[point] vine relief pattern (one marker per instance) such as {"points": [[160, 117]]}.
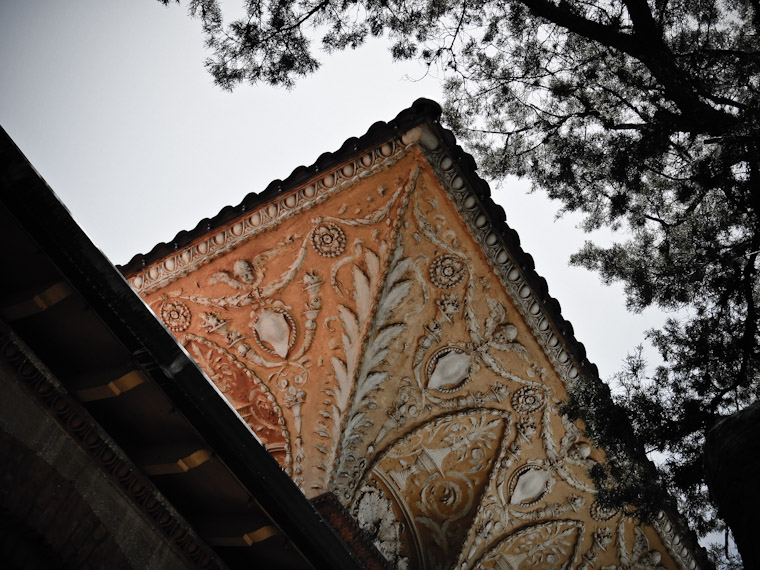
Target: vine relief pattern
{"points": [[379, 341]]}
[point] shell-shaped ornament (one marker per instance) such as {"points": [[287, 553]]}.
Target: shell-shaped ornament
{"points": [[529, 485], [275, 331], [448, 369]]}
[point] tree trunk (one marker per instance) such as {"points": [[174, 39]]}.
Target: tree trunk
{"points": [[732, 466]]}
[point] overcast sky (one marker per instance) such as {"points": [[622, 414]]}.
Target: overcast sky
{"points": [[110, 102]]}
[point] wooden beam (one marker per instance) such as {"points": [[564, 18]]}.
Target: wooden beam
{"points": [[112, 389], [247, 539], [180, 466], [38, 303]]}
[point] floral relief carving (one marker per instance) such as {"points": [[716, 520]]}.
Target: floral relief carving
{"points": [[328, 239], [514, 280], [528, 493], [370, 374], [550, 546], [447, 271], [186, 260], [246, 392], [175, 315], [501, 259], [376, 516], [435, 475], [528, 399], [364, 314], [600, 540]]}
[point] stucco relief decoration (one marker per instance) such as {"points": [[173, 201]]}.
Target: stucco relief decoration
{"points": [[447, 271], [433, 477], [389, 350], [529, 485], [640, 556], [246, 392], [187, 260], [448, 369], [376, 516], [545, 546], [328, 239], [527, 400], [175, 315], [265, 306], [463, 348], [275, 331]]}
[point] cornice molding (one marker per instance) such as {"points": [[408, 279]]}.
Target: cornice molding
{"points": [[220, 240]]}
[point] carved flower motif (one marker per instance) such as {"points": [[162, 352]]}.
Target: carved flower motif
{"points": [[176, 315], [447, 270], [375, 515], [600, 513], [527, 400], [328, 240]]}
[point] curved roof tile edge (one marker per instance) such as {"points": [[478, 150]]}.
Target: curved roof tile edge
{"points": [[420, 111]]}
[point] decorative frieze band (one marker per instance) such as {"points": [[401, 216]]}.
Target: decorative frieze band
{"points": [[231, 235]]}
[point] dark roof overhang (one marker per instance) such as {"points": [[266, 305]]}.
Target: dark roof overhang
{"points": [[65, 300]]}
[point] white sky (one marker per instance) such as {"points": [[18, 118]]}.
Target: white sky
{"points": [[110, 102]]}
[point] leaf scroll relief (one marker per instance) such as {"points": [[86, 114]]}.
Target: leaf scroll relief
{"points": [[442, 365], [528, 490], [640, 556], [363, 311], [246, 392], [367, 370], [431, 480], [272, 313], [550, 545], [465, 351]]}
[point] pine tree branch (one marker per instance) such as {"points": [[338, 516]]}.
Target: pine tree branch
{"points": [[679, 88], [560, 15], [646, 45]]}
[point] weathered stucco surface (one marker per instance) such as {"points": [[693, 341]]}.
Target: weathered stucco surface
{"points": [[375, 337]]}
